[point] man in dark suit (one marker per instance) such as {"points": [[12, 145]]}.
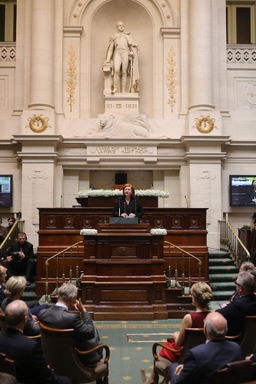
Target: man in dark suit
{"points": [[59, 316], [30, 363], [243, 305], [202, 361], [20, 259]]}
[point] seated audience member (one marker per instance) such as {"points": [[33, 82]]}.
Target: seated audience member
{"points": [[31, 367], [202, 362], [201, 296], [243, 305], [3, 231], [245, 266], [5, 378], [2, 283], [14, 289], [20, 259], [59, 316]]}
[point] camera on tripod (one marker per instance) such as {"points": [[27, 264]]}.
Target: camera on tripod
{"points": [[16, 256]]}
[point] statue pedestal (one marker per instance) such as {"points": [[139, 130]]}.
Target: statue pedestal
{"points": [[122, 103]]}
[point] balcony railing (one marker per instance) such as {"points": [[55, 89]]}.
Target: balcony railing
{"points": [[241, 54], [7, 52]]}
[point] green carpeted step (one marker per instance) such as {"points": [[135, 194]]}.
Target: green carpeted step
{"points": [[219, 262], [226, 285], [222, 274], [223, 269], [218, 254], [222, 295], [218, 277]]}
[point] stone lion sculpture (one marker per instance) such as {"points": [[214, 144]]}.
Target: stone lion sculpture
{"points": [[126, 126]]}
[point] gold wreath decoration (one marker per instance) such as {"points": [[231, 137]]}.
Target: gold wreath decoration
{"points": [[205, 124], [38, 123]]}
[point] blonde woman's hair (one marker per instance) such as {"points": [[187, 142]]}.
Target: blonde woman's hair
{"points": [[202, 292], [14, 285]]}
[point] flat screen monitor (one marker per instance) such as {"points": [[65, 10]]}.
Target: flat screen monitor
{"points": [[6, 191], [242, 190]]}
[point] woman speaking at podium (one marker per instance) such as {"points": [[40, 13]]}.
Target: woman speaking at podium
{"points": [[128, 205]]}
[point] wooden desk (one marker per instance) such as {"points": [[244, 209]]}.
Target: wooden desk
{"points": [[60, 228], [123, 275]]}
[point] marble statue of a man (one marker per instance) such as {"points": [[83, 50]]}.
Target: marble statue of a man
{"points": [[122, 56]]}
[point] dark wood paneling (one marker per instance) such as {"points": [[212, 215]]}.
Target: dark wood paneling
{"points": [[116, 263]]}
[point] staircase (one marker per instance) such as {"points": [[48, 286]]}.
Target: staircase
{"points": [[222, 274]]}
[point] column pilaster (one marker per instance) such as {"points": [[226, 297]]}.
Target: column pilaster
{"points": [[200, 62], [42, 54]]}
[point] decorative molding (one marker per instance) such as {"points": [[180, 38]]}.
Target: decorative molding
{"points": [[4, 92], [204, 124], [71, 71], [128, 150], [241, 55], [246, 93], [123, 251], [38, 123], [87, 223], [171, 78], [69, 222], [79, 8], [7, 52]]}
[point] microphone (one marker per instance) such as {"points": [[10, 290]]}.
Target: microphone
{"points": [[185, 197], [61, 201], [135, 206], [119, 212]]}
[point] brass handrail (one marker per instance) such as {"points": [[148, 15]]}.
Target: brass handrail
{"points": [[56, 256], [231, 243], [183, 273], [15, 224]]}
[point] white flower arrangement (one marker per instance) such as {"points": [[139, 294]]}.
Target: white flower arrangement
{"points": [[152, 192], [88, 232], [158, 231], [117, 192]]}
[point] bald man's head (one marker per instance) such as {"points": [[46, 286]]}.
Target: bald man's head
{"points": [[215, 326], [16, 313]]}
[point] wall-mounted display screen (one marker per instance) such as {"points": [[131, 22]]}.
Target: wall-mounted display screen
{"points": [[242, 190], [6, 191]]}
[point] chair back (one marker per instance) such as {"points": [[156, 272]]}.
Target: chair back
{"points": [[61, 355], [235, 373], [193, 337], [7, 365], [248, 337]]}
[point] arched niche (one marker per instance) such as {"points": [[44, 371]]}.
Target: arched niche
{"points": [[144, 21]]}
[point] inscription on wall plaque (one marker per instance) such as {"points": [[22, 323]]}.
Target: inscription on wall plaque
{"points": [[127, 150]]}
